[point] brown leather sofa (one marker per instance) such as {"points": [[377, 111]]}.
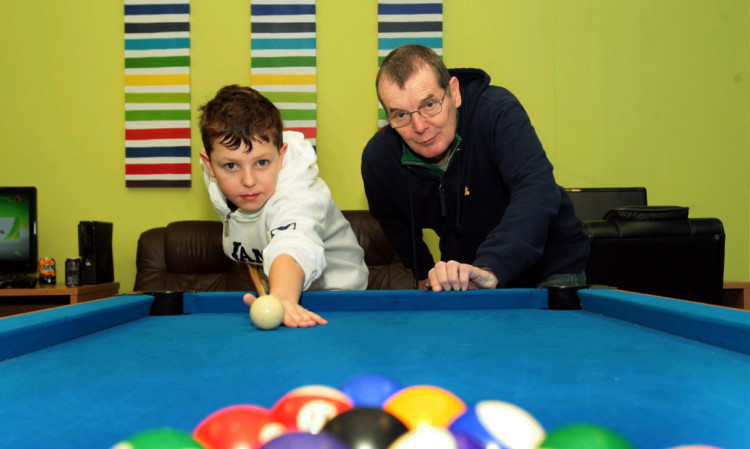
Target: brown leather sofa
{"points": [[648, 249], [187, 256]]}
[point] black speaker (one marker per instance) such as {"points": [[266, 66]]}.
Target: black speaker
{"points": [[95, 248]]}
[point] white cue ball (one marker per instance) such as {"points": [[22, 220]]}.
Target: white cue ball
{"points": [[267, 312]]}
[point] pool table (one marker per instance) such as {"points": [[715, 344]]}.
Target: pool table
{"points": [[660, 372]]}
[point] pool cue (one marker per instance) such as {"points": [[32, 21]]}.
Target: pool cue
{"points": [[257, 281]]}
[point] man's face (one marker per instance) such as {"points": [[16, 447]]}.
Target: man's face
{"points": [[247, 179], [428, 137]]}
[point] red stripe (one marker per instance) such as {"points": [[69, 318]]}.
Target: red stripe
{"points": [[309, 133], [161, 133], [157, 169]]}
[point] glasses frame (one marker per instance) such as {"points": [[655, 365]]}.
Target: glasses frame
{"points": [[419, 110]]}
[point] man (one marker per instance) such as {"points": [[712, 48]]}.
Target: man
{"points": [[461, 157]]}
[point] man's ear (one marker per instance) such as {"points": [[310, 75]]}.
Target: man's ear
{"points": [[207, 160], [455, 91]]}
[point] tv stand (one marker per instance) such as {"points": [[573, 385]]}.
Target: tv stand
{"points": [[20, 300], [18, 280]]}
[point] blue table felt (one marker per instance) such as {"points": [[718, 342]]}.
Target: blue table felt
{"points": [[660, 372]]}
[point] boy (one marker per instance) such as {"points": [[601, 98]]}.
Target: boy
{"points": [[277, 213]]}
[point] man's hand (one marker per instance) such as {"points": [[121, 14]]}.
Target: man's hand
{"points": [[294, 314], [453, 275]]}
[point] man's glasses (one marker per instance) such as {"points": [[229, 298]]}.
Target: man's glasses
{"points": [[430, 109]]}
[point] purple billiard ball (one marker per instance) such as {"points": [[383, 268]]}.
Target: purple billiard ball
{"points": [[297, 440]]}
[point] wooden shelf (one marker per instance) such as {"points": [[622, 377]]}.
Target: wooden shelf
{"points": [[737, 294], [21, 300]]}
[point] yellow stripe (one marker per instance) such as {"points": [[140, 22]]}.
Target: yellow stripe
{"points": [[270, 80], [157, 80]]}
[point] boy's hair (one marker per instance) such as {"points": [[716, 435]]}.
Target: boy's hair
{"points": [[403, 62], [237, 115]]}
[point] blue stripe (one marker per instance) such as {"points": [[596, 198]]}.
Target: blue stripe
{"points": [[281, 10], [429, 8], [156, 44], [393, 43], [283, 44], [134, 10], [157, 152]]}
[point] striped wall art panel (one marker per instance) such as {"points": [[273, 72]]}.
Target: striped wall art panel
{"points": [[157, 93], [403, 22], [283, 60]]}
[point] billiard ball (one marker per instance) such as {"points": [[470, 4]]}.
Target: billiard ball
{"points": [[499, 423], [584, 436], [309, 408], [163, 438], [304, 440], [466, 442], [366, 428], [370, 390], [237, 426], [267, 312], [695, 446], [425, 436], [424, 404]]}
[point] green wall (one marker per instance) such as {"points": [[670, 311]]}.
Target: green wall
{"points": [[622, 93]]}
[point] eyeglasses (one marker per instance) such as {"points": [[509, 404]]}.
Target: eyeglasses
{"points": [[430, 109]]}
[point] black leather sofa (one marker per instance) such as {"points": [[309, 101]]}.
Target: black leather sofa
{"points": [[658, 250]]}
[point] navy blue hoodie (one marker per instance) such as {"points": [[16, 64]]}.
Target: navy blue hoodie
{"points": [[497, 205]]}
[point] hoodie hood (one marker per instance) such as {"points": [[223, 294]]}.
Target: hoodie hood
{"points": [[299, 171]]}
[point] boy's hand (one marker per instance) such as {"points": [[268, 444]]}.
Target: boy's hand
{"points": [[294, 314]]}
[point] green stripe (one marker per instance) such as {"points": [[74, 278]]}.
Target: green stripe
{"points": [[179, 97], [157, 115], [165, 61], [298, 114], [291, 97], [287, 61]]}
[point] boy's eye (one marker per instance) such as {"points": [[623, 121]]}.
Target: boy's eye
{"points": [[263, 162], [230, 165]]}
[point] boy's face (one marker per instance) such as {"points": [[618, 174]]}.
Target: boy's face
{"points": [[247, 179]]}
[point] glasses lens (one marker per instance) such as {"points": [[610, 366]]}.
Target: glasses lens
{"points": [[431, 108], [400, 120]]}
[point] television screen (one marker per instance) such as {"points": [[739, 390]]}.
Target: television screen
{"points": [[18, 237], [593, 203]]}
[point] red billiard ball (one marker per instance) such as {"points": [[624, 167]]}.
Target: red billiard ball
{"points": [[309, 408], [237, 427]]}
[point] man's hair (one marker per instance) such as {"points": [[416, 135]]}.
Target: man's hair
{"points": [[238, 115], [403, 62]]}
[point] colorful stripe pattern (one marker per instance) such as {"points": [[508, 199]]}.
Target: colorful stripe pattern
{"points": [[408, 22], [157, 93], [283, 60]]}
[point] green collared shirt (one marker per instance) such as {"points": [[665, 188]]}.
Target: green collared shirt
{"points": [[409, 157]]}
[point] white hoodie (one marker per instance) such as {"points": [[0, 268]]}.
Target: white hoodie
{"points": [[300, 219]]}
